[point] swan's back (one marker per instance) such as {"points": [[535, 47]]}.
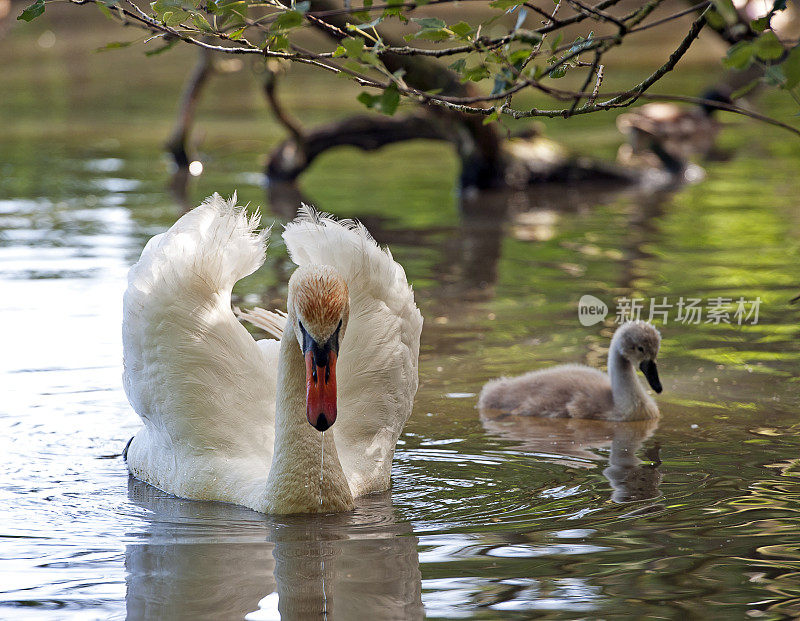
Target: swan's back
{"points": [[377, 366], [568, 391], [203, 388]]}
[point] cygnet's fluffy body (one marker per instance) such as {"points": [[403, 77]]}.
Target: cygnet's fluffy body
{"points": [[578, 391]]}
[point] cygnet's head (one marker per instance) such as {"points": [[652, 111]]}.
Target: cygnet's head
{"points": [[319, 304], [639, 342]]}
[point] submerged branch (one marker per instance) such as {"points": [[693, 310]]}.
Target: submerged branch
{"points": [[367, 133]]}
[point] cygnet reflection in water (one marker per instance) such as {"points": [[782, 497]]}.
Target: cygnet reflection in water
{"points": [[573, 442], [204, 560]]}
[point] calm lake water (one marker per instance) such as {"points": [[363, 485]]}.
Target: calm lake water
{"points": [[693, 516]]}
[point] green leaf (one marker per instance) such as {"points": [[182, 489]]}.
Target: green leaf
{"points": [[370, 58], [773, 75], [114, 45], [367, 99], [237, 34], [395, 12], [201, 23], [390, 100], [791, 67], [386, 102], [162, 6], [745, 89], [287, 20], [580, 43], [760, 24], [431, 28], [558, 72], [475, 74], [431, 23], [239, 7], [715, 20], [740, 56], [491, 118], [278, 42], [459, 65], [353, 47], [768, 46], [105, 10], [32, 12], [555, 41], [726, 10], [171, 18], [518, 56], [462, 29], [174, 18], [504, 4], [441, 34]]}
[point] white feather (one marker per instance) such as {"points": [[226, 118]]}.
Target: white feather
{"points": [[203, 388], [206, 391], [272, 322]]}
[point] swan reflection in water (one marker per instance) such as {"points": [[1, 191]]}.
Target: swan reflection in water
{"points": [[573, 442], [204, 560]]}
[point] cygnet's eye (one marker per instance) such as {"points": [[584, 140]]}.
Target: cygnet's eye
{"points": [[640, 348]]}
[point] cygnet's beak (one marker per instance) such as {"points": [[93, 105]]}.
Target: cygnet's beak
{"points": [[648, 367], [320, 381]]}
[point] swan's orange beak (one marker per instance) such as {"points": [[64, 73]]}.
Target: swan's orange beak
{"points": [[320, 388], [321, 379]]}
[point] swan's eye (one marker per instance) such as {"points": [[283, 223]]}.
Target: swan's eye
{"points": [[641, 349]]}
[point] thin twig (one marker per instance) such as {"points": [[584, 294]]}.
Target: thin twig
{"points": [[596, 89], [589, 75]]}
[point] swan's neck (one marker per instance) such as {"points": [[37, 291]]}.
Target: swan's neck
{"points": [[631, 402], [305, 477]]}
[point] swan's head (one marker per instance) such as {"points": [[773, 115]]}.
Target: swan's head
{"points": [[319, 303], [639, 342]]}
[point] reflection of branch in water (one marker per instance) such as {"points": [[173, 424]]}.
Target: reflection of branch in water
{"points": [[469, 254], [176, 144], [573, 442], [204, 560], [646, 209], [178, 187]]}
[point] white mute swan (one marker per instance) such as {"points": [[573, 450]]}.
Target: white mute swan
{"points": [[578, 391], [227, 418]]}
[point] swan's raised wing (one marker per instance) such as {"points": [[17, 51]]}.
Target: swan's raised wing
{"points": [[202, 386], [377, 364]]}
